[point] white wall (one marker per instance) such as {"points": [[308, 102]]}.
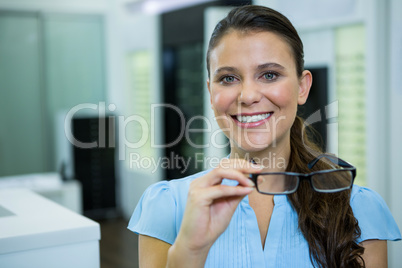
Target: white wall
{"points": [[128, 33], [395, 110], [215, 137]]}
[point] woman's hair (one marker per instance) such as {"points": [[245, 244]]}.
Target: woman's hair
{"points": [[325, 220], [259, 19]]}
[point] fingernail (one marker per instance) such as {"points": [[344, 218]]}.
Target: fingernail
{"points": [[250, 183]]}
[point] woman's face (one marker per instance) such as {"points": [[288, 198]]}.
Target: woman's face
{"points": [[255, 90]]}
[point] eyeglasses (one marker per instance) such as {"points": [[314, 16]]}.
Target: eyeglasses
{"points": [[322, 181]]}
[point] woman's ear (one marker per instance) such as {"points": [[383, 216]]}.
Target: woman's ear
{"points": [[304, 87]]}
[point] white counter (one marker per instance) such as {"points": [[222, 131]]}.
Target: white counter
{"points": [[50, 185], [36, 232]]}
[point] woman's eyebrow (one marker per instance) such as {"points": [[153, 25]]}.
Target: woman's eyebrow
{"points": [[270, 65], [259, 67], [225, 68]]}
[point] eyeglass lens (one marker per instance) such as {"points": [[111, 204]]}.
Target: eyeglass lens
{"points": [[282, 183], [335, 180], [276, 183]]}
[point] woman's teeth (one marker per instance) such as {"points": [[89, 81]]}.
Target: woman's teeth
{"points": [[252, 119]]}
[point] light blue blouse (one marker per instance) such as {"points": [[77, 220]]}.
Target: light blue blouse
{"points": [[160, 211]]}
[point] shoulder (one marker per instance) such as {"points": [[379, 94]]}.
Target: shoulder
{"points": [[374, 217], [364, 199], [164, 202], [361, 195]]}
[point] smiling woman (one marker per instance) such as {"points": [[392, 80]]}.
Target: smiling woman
{"points": [[260, 82], [219, 217]]}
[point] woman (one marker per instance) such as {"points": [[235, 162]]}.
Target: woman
{"points": [[219, 217]]}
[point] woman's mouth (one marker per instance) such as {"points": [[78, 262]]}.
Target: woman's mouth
{"points": [[251, 120]]}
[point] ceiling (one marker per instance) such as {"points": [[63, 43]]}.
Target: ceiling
{"points": [[160, 6]]}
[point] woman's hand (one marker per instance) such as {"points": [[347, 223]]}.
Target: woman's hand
{"points": [[209, 209]]}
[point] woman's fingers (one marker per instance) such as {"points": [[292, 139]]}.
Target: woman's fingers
{"points": [[231, 174], [232, 169], [207, 188], [239, 164]]}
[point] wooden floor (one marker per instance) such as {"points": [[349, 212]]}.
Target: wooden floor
{"points": [[118, 245]]}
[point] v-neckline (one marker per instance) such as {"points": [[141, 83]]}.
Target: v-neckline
{"points": [[263, 214], [275, 225]]}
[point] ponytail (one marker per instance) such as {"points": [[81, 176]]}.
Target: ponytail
{"points": [[326, 220]]}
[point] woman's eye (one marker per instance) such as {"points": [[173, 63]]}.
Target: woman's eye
{"points": [[269, 76], [228, 79]]}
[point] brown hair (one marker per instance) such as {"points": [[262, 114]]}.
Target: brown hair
{"points": [[325, 220], [257, 19]]}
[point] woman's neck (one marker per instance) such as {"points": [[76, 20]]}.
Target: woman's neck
{"points": [[272, 159]]}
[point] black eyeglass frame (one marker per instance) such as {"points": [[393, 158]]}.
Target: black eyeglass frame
{"points": [[335, 160]]}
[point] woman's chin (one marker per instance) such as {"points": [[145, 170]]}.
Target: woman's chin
{"points": [[253, 147]]}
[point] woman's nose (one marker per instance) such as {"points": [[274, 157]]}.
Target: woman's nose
{"points": [[250, 93]]}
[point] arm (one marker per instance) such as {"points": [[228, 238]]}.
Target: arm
{"points": [[375, 253], [209, 209], [152, 252]]}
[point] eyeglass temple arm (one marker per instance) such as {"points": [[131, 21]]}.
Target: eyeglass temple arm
{"points": [[335, 160]]}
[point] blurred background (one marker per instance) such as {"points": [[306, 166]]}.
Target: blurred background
{"points": [[96, 72]]}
